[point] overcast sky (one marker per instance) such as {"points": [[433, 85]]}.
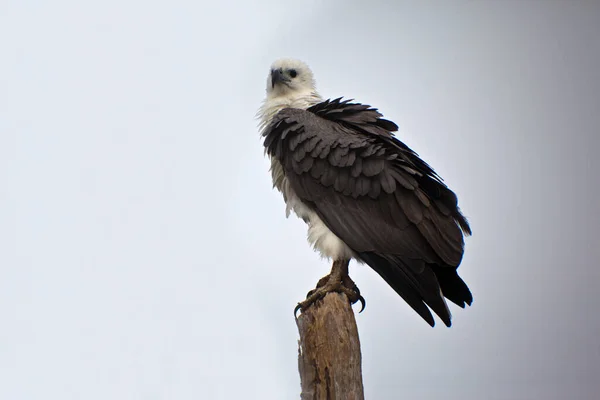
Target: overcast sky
{"points": [[145, 256]]}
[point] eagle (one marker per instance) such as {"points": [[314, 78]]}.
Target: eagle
{"points": [[364, 195]]}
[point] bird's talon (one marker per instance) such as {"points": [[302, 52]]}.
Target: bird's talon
{"points": [[333, 283], [363, 303]]}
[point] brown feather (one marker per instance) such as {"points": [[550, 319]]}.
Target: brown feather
{"points": [[378, 196]]}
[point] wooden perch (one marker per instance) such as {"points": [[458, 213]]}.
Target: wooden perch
{"points": [[329, 356]]}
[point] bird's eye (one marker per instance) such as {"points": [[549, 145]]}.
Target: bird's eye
{"points": [[293, 73]]}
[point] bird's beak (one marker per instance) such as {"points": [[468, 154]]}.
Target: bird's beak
{"points": [[277, 77]]}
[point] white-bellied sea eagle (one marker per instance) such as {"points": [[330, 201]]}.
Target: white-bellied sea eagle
{"points": [[363, 193]]}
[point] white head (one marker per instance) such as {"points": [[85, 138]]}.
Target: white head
{"points": [[290, 78], [290, 84]]}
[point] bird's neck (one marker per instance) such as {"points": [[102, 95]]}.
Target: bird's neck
{"points": [[272, 105]]}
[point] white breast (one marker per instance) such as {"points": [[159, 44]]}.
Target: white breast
{"points": [[319, 235]]}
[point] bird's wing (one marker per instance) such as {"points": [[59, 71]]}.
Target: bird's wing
{"points": [[378, 196]]}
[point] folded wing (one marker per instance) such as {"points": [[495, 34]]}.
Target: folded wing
{"points": [[378, 196]]}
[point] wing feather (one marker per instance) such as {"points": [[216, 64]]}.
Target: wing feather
{"points": [[378, 196]]}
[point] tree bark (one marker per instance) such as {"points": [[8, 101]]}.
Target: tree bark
{"points": [[329, 357]]}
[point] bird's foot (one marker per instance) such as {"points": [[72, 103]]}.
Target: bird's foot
{"points": [[329, 284]]}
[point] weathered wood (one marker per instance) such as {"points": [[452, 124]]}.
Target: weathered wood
{"points": [[329, 357]]}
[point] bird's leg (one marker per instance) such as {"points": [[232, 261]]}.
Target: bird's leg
{"points": [[337, 281], [321, 283], [334, 276], [349, 284]]}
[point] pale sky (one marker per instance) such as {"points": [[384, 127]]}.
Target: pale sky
{"points": [[145, 255]]}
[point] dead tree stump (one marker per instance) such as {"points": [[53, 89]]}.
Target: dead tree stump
{"points": [[329, 356]]}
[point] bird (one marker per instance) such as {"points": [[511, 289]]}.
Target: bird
{"points": [[363, 194]]}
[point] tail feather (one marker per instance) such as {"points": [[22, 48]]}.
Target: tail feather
{"points": [[453, 287], [397, 279], [422, 286]]}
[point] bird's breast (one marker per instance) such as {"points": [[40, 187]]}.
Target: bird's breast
{"points": [[322, 239]]}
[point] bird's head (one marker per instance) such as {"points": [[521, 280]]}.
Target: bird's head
{"points": [[289, 78]]}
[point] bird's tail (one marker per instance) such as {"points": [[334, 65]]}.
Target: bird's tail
{"points": [[421, 285]]}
